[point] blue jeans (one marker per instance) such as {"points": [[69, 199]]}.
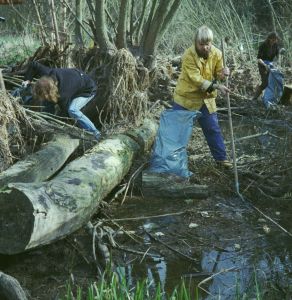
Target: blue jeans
{"points": [[74, 111], [210, 126]]}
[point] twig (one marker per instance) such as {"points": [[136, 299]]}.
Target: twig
{"points": [[250, 137], [146, 252], [150, 217], [72, 12], [172, 249], [120, 191], [133, 176], [211, 277], [122, 229], [138, 252]]}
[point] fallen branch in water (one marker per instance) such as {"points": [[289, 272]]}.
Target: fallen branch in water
{"points": [[151, 217], [172, 249]]}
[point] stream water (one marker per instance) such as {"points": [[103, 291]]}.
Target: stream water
{"points": [[239, 253], [219, 245]]}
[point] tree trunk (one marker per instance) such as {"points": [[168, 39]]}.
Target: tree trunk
{"points": [[101, 29], [78, 21], [2, 84], [286, 98], [141, 22], [39, 213], [55, 23], [122, 26], [164, 185], [42, 29], [162, 17], [10, 288], [41, 165]]}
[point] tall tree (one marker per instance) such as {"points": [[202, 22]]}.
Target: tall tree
{"points": [[156, 27], [78, 22], [101, 35], [122, 25]]}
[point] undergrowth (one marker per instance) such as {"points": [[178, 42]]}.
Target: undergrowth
{"points": [[14, 49]]}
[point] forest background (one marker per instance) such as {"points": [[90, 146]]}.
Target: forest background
{"points": [[145, 27]]}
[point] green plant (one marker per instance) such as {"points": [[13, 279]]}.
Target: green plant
{"points": [[14, 49]]}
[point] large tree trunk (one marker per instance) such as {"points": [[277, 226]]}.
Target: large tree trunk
{"points": [[101, 29], [10, 288], [164, 185], [156, 28], [122, 26], [39, 213], [78, 21], [42, 164]]}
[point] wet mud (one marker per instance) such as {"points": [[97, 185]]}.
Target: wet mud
{"points": [[220, 245]]}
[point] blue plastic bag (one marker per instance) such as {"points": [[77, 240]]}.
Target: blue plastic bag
{"points": [[169, 153], [273, 92]]}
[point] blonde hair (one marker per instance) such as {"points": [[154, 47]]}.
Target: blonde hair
{"points": [[203, 34], [46, 88]]}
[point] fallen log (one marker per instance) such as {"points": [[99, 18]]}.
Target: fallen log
{"points": [[164, 185], [35, 214], [286, 98], [10, 288], [42, 164]]}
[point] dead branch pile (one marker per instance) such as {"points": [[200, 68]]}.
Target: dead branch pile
{"points": [[51, 55], [162, 81], [127, 98], [12, 116]]}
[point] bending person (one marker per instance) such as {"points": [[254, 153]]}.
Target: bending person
{"points": [[268, 51], [70, 88], [194, 98]]}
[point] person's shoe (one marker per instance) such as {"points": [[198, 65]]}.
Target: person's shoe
{"points": [[224, 164], [97, 135]]}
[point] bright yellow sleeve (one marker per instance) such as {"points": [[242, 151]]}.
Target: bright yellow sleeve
{"points": [[193, 72], [218, 66]]}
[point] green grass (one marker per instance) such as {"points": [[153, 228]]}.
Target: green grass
{"points": [[14, 49], [115, 289], [110, 287]]}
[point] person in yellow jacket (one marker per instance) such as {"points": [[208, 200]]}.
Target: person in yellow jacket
{"points": [[194, 98]]}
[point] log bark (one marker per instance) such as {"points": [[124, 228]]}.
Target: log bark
{"points": [[10, 288], [164, 185], [34, 214], [286, 98], [2, 85], [42, 164]]}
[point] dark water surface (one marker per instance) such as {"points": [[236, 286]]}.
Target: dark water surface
{"points": [[238, 252]]}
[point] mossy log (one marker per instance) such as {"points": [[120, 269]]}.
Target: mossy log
{"points": [[286, 98], [42, 164], [10, 288], [34, 214], [165, 185]]}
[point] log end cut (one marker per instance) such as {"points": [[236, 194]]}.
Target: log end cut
{"points": [[165, 185], [16, 221]]}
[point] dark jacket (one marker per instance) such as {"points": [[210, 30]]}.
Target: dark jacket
{"points": [[268, 52], [72, 83]]}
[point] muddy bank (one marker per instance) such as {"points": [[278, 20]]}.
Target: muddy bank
{"points": [[221, 239]]}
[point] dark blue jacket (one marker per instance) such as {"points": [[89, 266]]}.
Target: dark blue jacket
{"points": [[72, 83]]}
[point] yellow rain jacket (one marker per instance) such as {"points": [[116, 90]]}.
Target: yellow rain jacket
{"points": [[195, 78]]}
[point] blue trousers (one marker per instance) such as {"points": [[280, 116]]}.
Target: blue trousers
{"points": [[212, 132], [76, 113]]}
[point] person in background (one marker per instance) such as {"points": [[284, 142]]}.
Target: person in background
{"points": [[70, 88], [194, 98], [267, 52]]}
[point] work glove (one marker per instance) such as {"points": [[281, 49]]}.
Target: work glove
{"points": [[25, 83]]}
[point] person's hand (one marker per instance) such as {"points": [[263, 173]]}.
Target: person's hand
{"points": [[222, 88], [25, 83], [225, 72], [261, 62]]}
